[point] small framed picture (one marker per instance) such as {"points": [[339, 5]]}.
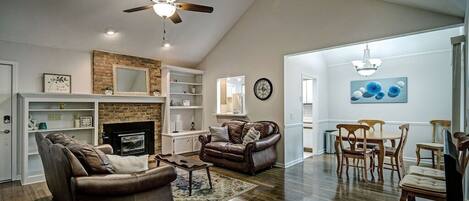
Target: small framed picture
{"points": [[86, 121], [57, 83]]}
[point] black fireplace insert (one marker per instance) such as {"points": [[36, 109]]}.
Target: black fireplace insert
{"points": [[133, 138]]}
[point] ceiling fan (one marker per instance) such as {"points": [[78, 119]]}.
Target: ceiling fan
{"points": [[167, 9]]}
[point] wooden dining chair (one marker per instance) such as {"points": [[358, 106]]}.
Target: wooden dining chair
{"points": [[463, 147], [372, 123], [436, 146], [349, 149], [396, 154], [428, 183]]}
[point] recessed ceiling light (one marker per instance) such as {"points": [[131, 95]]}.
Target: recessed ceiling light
{"points": [[110, 32]]}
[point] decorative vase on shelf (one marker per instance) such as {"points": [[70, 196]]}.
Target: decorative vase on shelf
{"points": [[76, 123], [42, 126], [108, 91], [32, 123], [156, 93]]}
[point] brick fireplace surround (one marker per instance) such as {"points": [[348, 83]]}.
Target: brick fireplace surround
{"points": [[126, 112]]}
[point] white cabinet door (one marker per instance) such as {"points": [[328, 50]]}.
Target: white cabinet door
{"points": [[183, 145], [195, 143]]}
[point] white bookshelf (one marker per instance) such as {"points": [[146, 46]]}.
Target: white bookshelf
{"points": [[179, 84], [48, 109]]}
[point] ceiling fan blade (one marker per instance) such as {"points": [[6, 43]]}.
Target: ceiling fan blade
{"points": [[176, 18], [138, 9], [194, 7]]}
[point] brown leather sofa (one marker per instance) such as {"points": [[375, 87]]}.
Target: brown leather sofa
{"points": [[233, 154], [60, 167]]}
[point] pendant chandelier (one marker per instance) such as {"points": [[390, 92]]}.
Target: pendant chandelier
{"points": [[367, 66]]}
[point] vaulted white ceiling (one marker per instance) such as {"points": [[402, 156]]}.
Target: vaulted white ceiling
{"points": [[449, 7], [80, 25]]}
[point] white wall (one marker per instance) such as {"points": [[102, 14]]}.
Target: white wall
{"points": [[35, 60], [312, 66], [255, 46], [429, 95]]}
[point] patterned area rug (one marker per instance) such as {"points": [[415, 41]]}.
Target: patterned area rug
{"points": [[224, 187]]}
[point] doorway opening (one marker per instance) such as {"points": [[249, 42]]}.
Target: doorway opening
{"points": [[309, 100], [409, 66]]}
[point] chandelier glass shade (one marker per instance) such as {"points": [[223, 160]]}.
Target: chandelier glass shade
{"points": [[367, 66]]}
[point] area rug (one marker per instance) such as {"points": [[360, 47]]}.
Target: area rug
{"points": [[224, 187]]}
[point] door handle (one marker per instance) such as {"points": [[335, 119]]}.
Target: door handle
{"points": [[6, 131]]}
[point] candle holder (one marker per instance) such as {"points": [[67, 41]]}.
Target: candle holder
{"points": [[192, 126]]}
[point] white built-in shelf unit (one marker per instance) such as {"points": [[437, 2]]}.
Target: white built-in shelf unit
{"points": [[182, 85], [59, 112]]}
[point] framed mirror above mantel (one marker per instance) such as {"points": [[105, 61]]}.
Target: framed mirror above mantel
{"points": [[133, 81]]}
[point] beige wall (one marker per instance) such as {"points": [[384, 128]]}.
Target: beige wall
{"points": [[271, 29]]}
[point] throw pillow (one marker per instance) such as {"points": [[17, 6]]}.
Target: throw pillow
{"points": [[77, 169], [219, 134], [60, 138], [94, 160], [251, 136], [128, 164]]}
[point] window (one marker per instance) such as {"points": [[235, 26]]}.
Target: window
{"points": [[307, 92], [230, 96]]}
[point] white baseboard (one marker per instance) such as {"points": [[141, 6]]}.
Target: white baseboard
{"points": [[279, 165], [320, 152], [289, 164], [292, 163]]}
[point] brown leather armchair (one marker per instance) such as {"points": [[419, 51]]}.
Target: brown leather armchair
{"points": [[60, 167], [233, 154]]}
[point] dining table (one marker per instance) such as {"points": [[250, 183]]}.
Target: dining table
{"points": [[372, 137]]}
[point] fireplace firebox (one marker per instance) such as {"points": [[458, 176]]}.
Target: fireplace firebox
{"points": [[133, 138]]}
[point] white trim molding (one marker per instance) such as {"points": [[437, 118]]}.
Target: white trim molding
{"points": [[415, 123], [347, 64], [293, 125]]}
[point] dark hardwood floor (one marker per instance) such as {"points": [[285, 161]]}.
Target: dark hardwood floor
{"points": [[315, 179]]}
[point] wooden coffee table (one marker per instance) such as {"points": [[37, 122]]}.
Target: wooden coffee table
{"points": [[185, 163]]}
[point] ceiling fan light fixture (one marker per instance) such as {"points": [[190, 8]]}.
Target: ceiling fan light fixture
{"points": [[164, 9], [110, 32]]}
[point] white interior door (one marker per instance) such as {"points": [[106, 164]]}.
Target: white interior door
{"points": [[5, 122]]}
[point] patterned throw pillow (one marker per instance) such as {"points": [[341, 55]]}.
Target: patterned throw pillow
{"points": [[219, 134], [251, 136]]}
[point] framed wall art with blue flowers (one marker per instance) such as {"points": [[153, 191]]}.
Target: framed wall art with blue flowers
{"points": [[388, 90]]}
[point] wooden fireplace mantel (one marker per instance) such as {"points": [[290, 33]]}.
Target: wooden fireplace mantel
{"points": [[100, 98]]}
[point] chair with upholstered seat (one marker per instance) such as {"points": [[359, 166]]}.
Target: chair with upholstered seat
{"points": [[436, 146], [438, 184], [350, 149]]}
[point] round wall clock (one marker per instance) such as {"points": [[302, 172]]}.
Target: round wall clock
{"points": [[263, 89]]}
